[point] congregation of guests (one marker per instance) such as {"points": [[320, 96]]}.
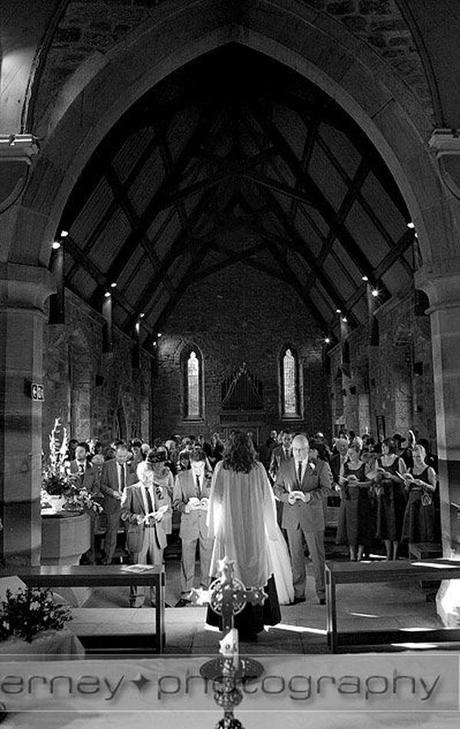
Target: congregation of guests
{"points": [[384, 490]]}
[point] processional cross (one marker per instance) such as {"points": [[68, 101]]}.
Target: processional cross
{"points": [[227, 596]]}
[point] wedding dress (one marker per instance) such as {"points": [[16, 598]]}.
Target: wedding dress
{"points": [[281, 565]]}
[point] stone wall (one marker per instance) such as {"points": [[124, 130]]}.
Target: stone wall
{"points": [[395, 377], [96, 394], [87, 28], [235, 316]]}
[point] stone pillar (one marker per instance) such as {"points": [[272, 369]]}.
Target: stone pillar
{"points": [[23, 293], [442, 284]]}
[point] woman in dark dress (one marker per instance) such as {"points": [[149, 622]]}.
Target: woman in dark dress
{"points": [[356, 524], [242, 518], [419, 517], [386, 477]]}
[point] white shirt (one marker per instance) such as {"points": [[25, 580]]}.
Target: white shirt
{"points": [[201, 477]]}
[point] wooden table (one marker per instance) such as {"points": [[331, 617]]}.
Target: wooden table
{"points": [[100, 576], [341, 573]]}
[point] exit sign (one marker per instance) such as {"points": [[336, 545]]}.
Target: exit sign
{"points": [[37, 392]]}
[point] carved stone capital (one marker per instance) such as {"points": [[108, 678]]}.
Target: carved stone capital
{"points": [[440, 280], [445, 143], [25, 287], [16, 154]]}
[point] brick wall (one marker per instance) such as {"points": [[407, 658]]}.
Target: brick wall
{"points": [[93, 393], [236, 316]]}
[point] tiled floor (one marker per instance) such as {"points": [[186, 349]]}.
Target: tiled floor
{"points": [[302, 630]]}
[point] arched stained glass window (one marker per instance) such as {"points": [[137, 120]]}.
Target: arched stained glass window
{"points": [[289, 377], [192, 369], [289, 367], [193, 386]]}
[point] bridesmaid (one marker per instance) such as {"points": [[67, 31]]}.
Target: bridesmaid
{"points": [[419, 517], [355, 516], [386, 476]]}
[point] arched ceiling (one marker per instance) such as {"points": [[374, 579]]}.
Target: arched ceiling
{"points": [[235, 158]]}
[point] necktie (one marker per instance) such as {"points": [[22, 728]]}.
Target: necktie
{"points": [[81, 468], [299, 472], [149, 500], [122, 477], [198, 486]]}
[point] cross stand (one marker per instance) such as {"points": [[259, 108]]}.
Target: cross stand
{"points": [[227, 596]]}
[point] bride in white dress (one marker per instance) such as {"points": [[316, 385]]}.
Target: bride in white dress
{"points": [[281, 566]]}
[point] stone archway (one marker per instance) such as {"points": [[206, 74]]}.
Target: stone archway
{"points": [[308, 41], [321, 50]]}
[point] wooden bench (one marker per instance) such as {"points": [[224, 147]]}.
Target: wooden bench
{"points": [[100, 576], [341, 573], [425, 550]]}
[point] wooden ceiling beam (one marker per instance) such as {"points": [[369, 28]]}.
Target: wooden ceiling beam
{"points": [[160, 196]]}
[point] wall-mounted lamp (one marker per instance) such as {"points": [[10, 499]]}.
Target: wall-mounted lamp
{"points": [[55, 245], [338, 311], [113, 285], [64, 233], [365, 278], [107, 294], [344, 319], [375, 292], [327, 340], [411, 225]]}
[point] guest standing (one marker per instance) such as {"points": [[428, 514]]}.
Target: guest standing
{"points": [[144, 511], [419, 517], [356, 527], [302, 485], [386, 476], [242, 519], [116, 475], [191, 494]]}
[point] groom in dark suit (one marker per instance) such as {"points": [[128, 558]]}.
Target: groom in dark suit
{"points": [[301, 485]]}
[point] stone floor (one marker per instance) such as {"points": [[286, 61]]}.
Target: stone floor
{"points": [[302, 630]]}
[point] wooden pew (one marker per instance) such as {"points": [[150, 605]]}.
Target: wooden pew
{"points": [[341, 573]]}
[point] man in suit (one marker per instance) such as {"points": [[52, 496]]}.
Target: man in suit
{"points": [[80, 465], [191, 485], [146, 534], [339, 458], [280, 453], [303, 514], [116, 475]]}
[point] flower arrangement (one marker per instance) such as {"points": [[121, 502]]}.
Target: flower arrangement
{"points": [[57, 479], [30, 611]]}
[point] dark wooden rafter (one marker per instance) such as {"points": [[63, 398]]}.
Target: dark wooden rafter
{"points": [[301, 246], [343, 124], [360, 198], [347, 203], [337, 227], [229, 260], [73, 249], [310, 139], [89, 188], [160, 196], [125, 204], [179, 246], [298, 288], [295, 240], [259, 266], [182, 287]]}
